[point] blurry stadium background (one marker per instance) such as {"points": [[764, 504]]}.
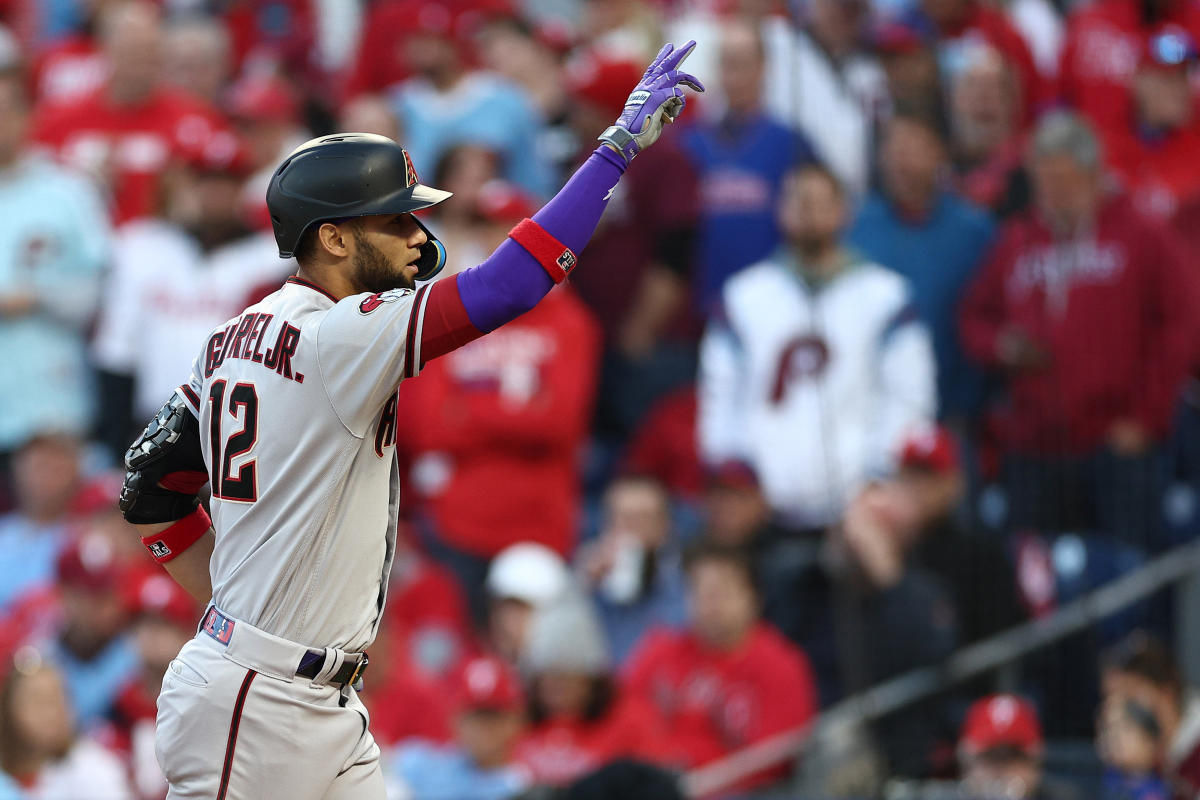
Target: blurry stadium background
{"points": [[859, 459]]}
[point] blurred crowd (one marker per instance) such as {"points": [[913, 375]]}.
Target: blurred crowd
{"points": [[888, 346]]}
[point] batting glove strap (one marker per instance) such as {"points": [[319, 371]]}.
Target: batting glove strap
{"points": [[555, 257], [621, 139], [171, 542]]}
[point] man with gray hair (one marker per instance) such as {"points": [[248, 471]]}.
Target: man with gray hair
{"points": [[1085, 310]]}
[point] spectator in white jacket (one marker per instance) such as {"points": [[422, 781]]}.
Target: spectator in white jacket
{"points": [[819, 365]]}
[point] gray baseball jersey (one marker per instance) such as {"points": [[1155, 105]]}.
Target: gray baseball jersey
{"points": [[296, 399]]}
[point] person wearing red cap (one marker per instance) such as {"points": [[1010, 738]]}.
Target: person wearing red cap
{"points": [[1102, 53], [126, 132], [488, 722], [164, 617], [91, 644], [1154, 155], [1000, 751], [977, 570], [177, 276]]}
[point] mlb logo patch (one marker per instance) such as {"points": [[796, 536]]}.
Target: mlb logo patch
{"points": [[218, 626], [566, 261]]}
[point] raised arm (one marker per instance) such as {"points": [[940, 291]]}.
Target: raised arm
{"points": [[542, 251]]}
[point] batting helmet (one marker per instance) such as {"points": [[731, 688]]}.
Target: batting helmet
{"points": [[349, 175]]}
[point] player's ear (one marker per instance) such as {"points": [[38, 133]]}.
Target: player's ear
{"points": [[332, 239]]}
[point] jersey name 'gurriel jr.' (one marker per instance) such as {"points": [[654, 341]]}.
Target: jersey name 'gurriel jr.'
{"points": [[243, 338]]}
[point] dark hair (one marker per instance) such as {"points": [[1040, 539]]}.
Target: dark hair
{"points": [[306, 248], [1144, 655], [601, 694], [925, 121], [820, 170], [706, 550]]}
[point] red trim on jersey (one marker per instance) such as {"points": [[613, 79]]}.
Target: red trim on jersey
{"points": [[411, 368], [234, 724], [190, 394], [447, 326], [555, 257], [302, 282], [182, 534]]}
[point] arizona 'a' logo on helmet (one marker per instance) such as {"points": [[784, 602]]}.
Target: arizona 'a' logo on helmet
{"points": [[410, 173]]}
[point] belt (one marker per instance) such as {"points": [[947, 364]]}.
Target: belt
{"points": [[271, 655], [349, 673]]}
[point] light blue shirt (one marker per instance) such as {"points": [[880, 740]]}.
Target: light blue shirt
{"points": [[482, 110], [54, 235], [9, 789], [27, 555], [94, 685], [445, 773]]}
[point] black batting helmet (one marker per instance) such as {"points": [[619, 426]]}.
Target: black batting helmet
{"points": [[349, 175]]}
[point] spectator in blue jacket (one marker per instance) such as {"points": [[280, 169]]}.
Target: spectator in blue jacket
{"points": [[933, 238], [740, 160]]}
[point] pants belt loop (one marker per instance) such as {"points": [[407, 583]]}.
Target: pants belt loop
{"points": [[333, 662]]}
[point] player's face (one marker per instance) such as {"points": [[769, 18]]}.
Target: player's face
{"points": [[386, 248]]}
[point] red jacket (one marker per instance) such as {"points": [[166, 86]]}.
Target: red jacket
{"points": [[1100, 56], [497, 429], [129, 145], [1162, 173], [1115, 312], [559, 751], [716, 702]]}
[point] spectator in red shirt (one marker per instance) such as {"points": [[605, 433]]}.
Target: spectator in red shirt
{"points": [[70, 67], [729, 680], [1087, 309], [1155, 156], [580, 719], [1100, 56], [664, 445], [503, 421], [126, 132]]}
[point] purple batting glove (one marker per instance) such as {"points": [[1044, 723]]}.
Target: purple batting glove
{"points": [[656, 100]]}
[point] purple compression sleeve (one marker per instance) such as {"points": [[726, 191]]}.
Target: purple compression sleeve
{"points": [[511, 281]]}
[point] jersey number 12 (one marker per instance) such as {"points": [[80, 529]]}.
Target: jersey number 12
{"points": [[227, 485]]}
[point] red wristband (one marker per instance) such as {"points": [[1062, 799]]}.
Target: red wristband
{"points": [[167, 544], [555, 257]]}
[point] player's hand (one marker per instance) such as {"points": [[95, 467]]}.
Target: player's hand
{"points": [[655, 101]]}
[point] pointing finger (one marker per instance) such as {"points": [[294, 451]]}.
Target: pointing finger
{"points": [[677, 57]]}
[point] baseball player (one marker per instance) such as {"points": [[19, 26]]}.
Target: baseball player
{"points": [[290, 414]]}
